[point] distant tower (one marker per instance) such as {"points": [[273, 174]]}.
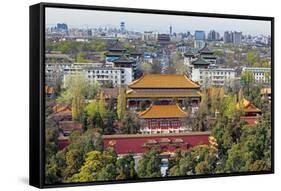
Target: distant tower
{"points": [[199, 39], [122, 27], [171, 31], [237, 38]]}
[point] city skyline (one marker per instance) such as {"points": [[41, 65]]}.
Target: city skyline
{"points": [[141, 22]]}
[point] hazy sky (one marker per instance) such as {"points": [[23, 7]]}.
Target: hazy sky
{"points": [[143, 22]]}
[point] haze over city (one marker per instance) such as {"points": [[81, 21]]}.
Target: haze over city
{"points": [[146, 22]]}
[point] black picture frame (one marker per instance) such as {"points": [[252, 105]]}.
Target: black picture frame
{"points": [[37, 97]]}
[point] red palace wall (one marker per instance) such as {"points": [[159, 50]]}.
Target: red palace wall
{"points": [[251, 120], [134, 143]]}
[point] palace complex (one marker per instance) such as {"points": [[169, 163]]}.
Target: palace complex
{"points": [[163, 119], [163, 89], [158, 101]]}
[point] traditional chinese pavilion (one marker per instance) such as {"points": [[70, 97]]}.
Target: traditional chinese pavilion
{"points": [[251, 112], [248, 108], [141, 143], [123, 61], [114, 53], [164, 89], [208, 55], [163, 119], [200, 63], [62, 112]]}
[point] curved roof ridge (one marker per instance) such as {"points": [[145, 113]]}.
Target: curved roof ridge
{"points": [[146, 110], [163, 111], [181, 109], [137, 80], [163, 81], [200, 60], [191, 81]]}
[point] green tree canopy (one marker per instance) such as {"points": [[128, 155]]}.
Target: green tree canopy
{"points": [[130, 124], [121, 104], [146, 67], [149, 165], [126, 167], [200, 159], [97, 166], [76, 90]]}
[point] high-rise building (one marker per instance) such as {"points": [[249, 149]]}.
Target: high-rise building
{"points": [[237, 37], [62, 27], [199, 41], [232, 37], [199, 35], [122, 27], [89, 32], [228, 37], [171, 31], [213, 35]]}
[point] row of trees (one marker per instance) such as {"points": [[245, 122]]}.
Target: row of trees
{"points": [[74, 47], [243, 55], [85, 159], [239, 148], [97, 116], [90, 108]]}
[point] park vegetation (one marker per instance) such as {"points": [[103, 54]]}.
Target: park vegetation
{"points": [[236, 146]]}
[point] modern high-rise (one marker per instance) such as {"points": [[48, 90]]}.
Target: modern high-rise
{"points": [[228, 37], [213, 35], [62, 27], [199, 41], [122, 27], [232, 37], [237, 37]]}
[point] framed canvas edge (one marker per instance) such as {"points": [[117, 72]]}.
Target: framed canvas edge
{"points": [[41, 100]]}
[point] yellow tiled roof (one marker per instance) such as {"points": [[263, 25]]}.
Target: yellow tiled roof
{"points": [[162, 111], [252, 108], [247, 106], [151, 94], [169, 81]]}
